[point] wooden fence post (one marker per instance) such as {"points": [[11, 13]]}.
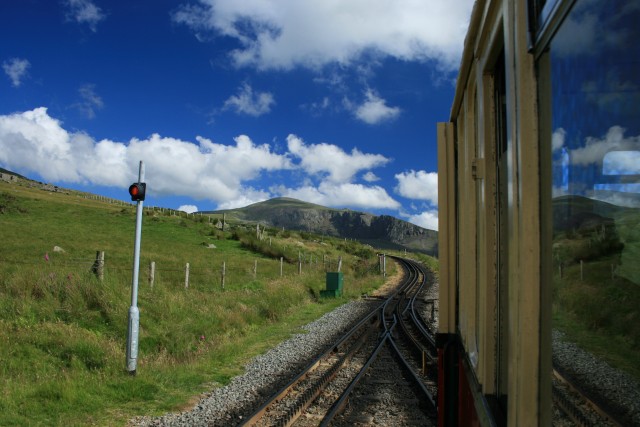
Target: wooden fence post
{"points": [[255, 268], [281, 260], [384, 265], [98, 265], [224, 268], [186, 276], [152, 273]]}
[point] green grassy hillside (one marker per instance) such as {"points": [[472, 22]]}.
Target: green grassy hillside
{"points": [[596, 278], [63, 331]]}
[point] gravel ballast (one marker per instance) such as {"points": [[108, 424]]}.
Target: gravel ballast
{"points": [[266, 373], [618, 389], [229, 405]]}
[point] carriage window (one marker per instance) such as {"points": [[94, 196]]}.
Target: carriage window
{"points": [[621, 163], [593, 97]]}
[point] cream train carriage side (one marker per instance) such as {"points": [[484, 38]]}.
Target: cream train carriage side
{"points": [[542, 86]]}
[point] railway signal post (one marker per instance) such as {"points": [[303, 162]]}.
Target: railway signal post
{"points": [[137, 191]]}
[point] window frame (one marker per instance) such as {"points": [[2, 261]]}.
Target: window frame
{"points": [[545, 18]]}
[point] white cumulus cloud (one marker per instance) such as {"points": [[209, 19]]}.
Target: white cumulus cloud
{"points": [[370, 177], [16, 69], [84, 12], [375, 110], [250, 103], [332, 160], [248, 197], [557, 139], [35, 142], [342, 194], [89, 102], [622, 162], [283, 34], [427, 219], [595, 149], [188, 208], [418, 185]]}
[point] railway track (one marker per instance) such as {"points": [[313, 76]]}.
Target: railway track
{"points": [[369, 372], [415, 337], [388, 393], [578, 406]]}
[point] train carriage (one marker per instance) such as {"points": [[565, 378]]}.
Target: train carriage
{"points": [[546, 107]]}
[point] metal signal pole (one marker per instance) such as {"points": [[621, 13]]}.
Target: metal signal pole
{"points": [[134, 313]]}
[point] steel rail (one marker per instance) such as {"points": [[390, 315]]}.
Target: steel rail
{"points": [[422, 343], [569, 408], [417, 381], [383, 316], [333, 349], [418, 319], [341, 402], [420, 389], [412, 282]]}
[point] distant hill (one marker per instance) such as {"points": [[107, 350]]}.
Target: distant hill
{"points": [[380, 231], [575, 212], [588, 229]]}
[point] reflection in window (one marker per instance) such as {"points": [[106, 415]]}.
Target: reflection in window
{"points": [[595, 139], [621, 163]]}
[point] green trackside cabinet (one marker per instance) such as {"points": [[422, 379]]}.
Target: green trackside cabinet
{"points": [[334, 283]]}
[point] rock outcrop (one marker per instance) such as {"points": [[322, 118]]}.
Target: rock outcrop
{"points": [[381, 231]]}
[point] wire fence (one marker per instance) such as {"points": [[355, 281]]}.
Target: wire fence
{"points": [[219, 273]]}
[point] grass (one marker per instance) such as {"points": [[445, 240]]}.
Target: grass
{"points": [[63, 331], [616, 350], [594, 304]]}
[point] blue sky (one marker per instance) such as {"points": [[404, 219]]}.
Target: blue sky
{"points": [[231, 102]]}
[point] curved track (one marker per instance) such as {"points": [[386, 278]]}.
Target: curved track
{"points": [[380, 369]]}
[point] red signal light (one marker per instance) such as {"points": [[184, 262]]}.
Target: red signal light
{"points": [[137, 191]]}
